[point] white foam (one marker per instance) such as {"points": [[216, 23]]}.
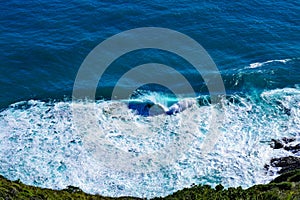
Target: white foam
{"points": [[40, 145], [260, 64]]}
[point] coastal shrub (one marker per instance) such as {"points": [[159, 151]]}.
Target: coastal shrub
{"points": [[286, 186]]}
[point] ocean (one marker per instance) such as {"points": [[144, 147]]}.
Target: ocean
{"points": [[255, 46]]}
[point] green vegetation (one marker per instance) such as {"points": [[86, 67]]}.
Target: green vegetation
{"points": [[286, 186], [15, 190]]}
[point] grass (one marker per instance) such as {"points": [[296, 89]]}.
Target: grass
{"points": [[286, 186]]}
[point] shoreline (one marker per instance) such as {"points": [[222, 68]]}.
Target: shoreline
{"points": [[285, 186]]}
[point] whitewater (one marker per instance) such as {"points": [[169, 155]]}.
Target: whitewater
{"points": [[130, 154]]}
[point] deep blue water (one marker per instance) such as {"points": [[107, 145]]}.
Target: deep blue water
{"points": [[255, 45], [43, 43]]}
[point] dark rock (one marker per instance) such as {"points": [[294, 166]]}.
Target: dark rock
{"points": [[286, 163], [277, 144], [73, 189], [295, 178], [288, 140], [266, 167], [293, 149], [219, 187], [290, 176], [284, 143]]}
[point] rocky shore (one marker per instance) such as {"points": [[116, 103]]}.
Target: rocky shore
{"points": [[288, 163], [285, 186]]}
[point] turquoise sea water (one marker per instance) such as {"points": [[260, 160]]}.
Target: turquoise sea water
{"points": [[255, 46]]}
